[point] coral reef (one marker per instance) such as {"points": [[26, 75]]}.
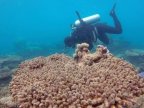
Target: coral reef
{"points": [[140, 102], [8, 64], [97, 80], [136, 57], [3, 106], [5, 77], [5, 99], [119, 45], [6, 102], [4, 91], [11, 61], [83, 56]]}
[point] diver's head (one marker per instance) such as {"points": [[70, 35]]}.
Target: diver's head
{"points": [[69, 42]]}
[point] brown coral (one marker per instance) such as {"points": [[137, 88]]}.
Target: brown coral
{"points": [[140, 102], [83, 57], [60, 82]]}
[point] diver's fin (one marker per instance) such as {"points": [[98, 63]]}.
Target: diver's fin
{"points": [[112, 12], [77, 13], [114, 6], [79, 17]]}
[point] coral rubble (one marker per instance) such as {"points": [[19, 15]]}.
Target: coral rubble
{"points": [[6, 102], [6, 99], [97, 80]]}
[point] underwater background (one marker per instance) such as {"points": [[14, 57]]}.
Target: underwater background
{"points": [[31, 28], [44, 24]]}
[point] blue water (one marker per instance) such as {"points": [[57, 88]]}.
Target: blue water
{"points": [[37, 23]]}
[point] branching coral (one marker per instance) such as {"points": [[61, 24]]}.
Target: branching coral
{"points": [[107, 82]]}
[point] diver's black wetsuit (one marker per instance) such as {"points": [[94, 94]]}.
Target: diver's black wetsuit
{"points": [[102, 29], [89, 33]]}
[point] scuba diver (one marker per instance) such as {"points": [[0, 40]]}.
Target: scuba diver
{"points": [[89, 33]]}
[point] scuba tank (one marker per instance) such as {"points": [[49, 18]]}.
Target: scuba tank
{"points": [[88, 20]]}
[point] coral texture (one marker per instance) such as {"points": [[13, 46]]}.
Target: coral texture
{"points": [[6, 102], [83, 57], [6, 99], [58, 81], [4, 91], [140, 102]]}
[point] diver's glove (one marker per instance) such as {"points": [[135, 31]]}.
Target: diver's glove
{"points": [[112, 12]]}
